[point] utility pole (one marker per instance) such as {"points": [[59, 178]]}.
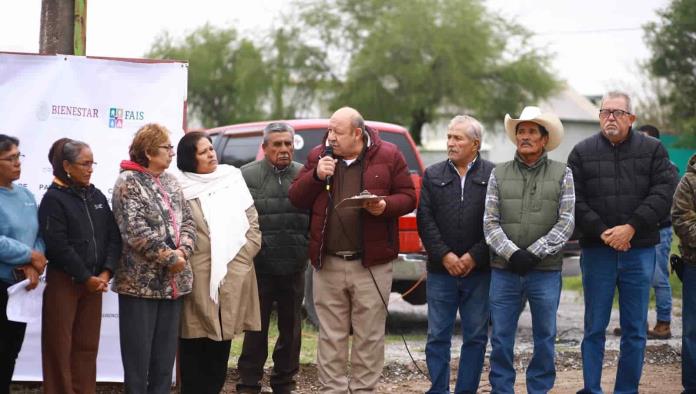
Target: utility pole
{"points": [[63, 27]]}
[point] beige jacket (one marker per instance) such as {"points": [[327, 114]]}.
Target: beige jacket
{"points": [[238, 308]]}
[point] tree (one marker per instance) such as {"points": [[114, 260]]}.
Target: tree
{"points": [[232, 79], [672, 41], [410, 59], [227, 75], [298, 72]]}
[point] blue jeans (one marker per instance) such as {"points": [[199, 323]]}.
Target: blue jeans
{"points": [[543, 291], [689, 329], [660, 282], [445, 295], [603, 270]]}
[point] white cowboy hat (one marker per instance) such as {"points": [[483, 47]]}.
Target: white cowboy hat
{"points": [[533, 114]]}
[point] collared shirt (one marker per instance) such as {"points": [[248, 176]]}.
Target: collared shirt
{"points": [[462, 178], [549, 244]]}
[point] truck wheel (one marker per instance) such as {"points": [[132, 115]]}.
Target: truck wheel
{"points": [[309, 298]]}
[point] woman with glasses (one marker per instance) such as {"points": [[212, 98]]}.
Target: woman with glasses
{"points": [[83, 245], [158, 235], [21, 251], [225, 300]]}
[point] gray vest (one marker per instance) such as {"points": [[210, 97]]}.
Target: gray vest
{"points": [[529, 198]]}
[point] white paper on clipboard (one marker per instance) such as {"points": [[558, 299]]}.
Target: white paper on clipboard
{"points": [[357, 201]]}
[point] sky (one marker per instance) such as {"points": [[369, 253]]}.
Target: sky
{"points": [[597, 44]]}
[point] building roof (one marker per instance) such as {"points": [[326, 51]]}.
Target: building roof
{"points": [[570, 105]]}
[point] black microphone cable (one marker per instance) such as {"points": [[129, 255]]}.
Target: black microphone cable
{"points": [[403, 338], [328, 151]]}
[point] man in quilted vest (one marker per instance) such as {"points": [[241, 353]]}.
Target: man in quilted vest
{"points": [[280, 265], [623, 184], [530, 206]]}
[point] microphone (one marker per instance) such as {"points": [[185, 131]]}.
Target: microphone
{"points": [[328, 151]]}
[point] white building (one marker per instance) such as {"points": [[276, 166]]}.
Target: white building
{"points": [[580, 118]]}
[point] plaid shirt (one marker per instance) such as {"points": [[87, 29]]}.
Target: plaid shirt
{"points": [[549, 244]]}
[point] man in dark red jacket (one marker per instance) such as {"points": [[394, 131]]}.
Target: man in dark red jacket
{"points": [[352, 249]]}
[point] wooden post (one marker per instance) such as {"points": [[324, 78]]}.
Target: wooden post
{"points": [[57, 24], [80, 30]]}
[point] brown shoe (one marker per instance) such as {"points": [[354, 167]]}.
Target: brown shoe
{"points": [[661, 331]]}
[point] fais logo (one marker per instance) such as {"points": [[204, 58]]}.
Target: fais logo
{"points": [[119, 115]]}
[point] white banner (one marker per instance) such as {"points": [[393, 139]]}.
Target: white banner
{"points": [[102, 102]]}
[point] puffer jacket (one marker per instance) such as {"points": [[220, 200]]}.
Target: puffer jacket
{"points": [[79, 230], [626, 183], [284, 228], [154, 219], [385, 173], [451, 219], [684, 212]]}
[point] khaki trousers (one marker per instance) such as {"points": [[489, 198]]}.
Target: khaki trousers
{"points": [[345, 295], [70, 326]]}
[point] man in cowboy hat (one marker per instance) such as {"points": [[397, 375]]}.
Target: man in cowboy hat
{"points": [[529, 216], [624, 184]]}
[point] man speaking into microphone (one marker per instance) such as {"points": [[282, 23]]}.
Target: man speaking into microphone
{"points": [[352, 249]]}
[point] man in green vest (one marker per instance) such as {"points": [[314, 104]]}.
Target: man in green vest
{"points": [[529, 216]]}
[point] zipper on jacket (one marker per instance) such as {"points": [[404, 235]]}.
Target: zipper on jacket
{"points": [[89, 217], [616, 177]]}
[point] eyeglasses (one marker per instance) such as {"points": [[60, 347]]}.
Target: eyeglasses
{"points": [[167, 147], [14, 158], [618, 113], [87, 164]]}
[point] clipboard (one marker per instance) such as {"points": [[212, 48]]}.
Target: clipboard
{"points": [[357, 201]]}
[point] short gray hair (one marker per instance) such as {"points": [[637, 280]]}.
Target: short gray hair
{"points": [[277, 127], [475, 129], [616, 94], [358, 122]]}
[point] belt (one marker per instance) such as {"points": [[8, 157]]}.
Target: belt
{"points": [[348, 256]]}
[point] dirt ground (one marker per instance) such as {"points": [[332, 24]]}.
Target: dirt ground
{"points": [[661, 373]]}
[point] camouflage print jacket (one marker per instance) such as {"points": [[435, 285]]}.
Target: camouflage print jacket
{"points": [[684, 212], [154, 219]]}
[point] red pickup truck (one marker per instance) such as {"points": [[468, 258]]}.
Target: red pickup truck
{"points": [[241, 143]]}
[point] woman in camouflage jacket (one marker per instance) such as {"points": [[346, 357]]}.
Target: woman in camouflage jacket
{"points": [[684, 222], [158, 237]]}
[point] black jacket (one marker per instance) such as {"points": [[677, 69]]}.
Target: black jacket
{"points": [[667, 220], [452, 221], [81, 235], [627, 183]]}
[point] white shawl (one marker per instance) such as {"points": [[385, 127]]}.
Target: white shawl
{"points": [[224, 199]]}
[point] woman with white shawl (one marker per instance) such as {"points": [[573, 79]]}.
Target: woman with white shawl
{"points": [[225, 300]]}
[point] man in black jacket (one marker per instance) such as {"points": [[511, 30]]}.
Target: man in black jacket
{"points": [[280, 264], [450, 224], [623, 188]]}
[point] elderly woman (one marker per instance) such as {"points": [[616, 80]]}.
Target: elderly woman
{"points": [[158, 235], [224, 301], [83, 244], [21, 251]]}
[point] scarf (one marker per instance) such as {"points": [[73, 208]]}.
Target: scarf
{"points": [[224, 199]]}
